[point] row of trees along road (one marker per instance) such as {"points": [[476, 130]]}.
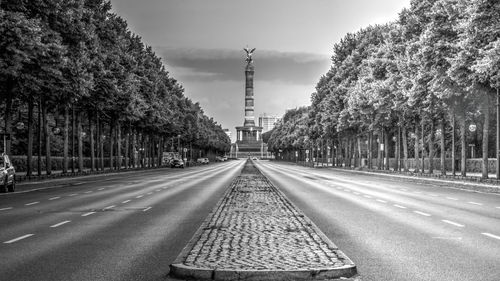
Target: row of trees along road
{"points": [[72, 68], [420, 82]]}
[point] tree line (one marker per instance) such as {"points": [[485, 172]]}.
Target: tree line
{"points": [[429, 80], [73, 76]]}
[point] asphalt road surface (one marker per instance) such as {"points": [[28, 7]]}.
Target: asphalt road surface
{"points": [[394, 229], [131, 226], [127, 226]]}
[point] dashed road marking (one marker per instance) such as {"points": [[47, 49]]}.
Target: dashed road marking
{"points": [[4, 209], [54, 198], [451, 198], [87, 192], [145, 210], [347, 190], [475, 203], [32, 203], [434, 195], [491, 235], [18, 238], [59, 224], [158, 190], [149, 193], [102, 188], [453, 223], [399, 206], [74, 194], [381, 201], [357, 193], [422, 213], [88, 214], [109, 207], [139, 196], [367, 196], [497, 207], [417, 192], [126, 201]]}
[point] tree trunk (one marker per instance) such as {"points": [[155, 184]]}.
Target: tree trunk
{"points": [[405, 149], [8, 117], [118, 146], [443, 148], [417, 150], [463, 145], [66, 139], [379, 151], [111, 144], [101, 143], [423, 148], [453, 155], [386, 150], [431, 149], [48, 162], [40, 138], [369, 149], [127, 148], [80, 141], [92, 143], [486, 134], [134, 148], [29, 166]]}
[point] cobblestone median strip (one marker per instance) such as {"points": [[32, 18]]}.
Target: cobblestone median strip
{"points": [[256, 233]]}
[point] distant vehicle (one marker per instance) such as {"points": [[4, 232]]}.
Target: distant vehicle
{"points": [[254, 158], [203, 160], [7, 174], [220, 158], [177, 163]]}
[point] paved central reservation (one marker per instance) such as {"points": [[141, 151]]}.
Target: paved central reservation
{"points": [[256, 233]]}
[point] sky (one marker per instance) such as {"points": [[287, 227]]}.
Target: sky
{"points": [[201, 44]]}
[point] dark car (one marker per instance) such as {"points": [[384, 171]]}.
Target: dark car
{"points": [[7, 174], [177, 163]]}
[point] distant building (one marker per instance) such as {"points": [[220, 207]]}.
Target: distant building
{"points": [[267, 122], [228, 133]]}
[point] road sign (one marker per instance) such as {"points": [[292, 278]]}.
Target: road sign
{"points": [[185, 149], [307, 159]]}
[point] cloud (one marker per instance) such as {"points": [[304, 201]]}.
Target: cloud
{"points": [[228, 65]]}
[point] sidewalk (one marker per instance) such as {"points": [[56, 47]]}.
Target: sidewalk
{"points": [[256, 233], [472, 181]]}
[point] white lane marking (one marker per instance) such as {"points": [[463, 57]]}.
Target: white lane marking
{"points": [[435, 195], [88, 214], [145, 210], [404, 189], [381, 201], [18, 238], [59, 224], [87, 192], [422, 213], [32, 203], [149, 193], [491, 235], [102, 188], [158, 190], [54, 198], [109, 207], [399, 206], [367, 196], [453, 223], [139, 196], [3, 209], [417, 192], [497, 207], [475, 203], [357, 193], [126, 201], [73, 194], [451, 198]]}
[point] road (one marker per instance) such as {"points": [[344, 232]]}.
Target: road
{"points": [[394, 229], [127, 226], [131, 226]]}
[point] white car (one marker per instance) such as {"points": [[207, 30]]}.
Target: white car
{"points": [[203, 160]]}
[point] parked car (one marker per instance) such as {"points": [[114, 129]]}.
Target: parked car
{"points": [[203, 160], [177, 163], [7, 174], [220, 158]]}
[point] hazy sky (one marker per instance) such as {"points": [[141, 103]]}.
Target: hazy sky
{"points": [[201, 43]]}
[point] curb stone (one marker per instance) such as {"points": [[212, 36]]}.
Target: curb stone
{"points": [[199, 247]]}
